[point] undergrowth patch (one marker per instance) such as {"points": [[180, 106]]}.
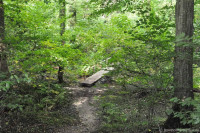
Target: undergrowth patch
{"points": [[132, 111], [29, 107]]}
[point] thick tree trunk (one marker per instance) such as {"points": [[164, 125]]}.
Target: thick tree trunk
{"points": [[62, 31], [183, 72], [3, 60]]}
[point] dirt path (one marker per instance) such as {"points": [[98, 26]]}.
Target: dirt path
{"points": [[84, 101]]}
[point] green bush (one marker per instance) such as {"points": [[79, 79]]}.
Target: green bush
{"points": [[188, 117], [122, 111], [25, 103]]}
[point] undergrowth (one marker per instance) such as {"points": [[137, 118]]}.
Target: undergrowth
{"points": [[132, 110], [28, 106]]}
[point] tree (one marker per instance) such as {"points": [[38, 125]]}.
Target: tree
{"points": [[3, 59], [183, 61], [73, 20], [62, 30], [73, 15]]}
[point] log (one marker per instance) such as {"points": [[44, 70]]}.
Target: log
{"points": [[90, 81]]}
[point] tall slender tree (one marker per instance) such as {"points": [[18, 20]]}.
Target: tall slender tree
{"points": [[73, 20], [62, 30], [73, 16], [183, 72], [3, 59]]}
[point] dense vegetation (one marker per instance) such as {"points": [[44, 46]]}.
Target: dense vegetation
{"points": [[42, 43]]}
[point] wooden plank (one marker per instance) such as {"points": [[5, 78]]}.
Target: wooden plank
{"points": [[94, 78]]}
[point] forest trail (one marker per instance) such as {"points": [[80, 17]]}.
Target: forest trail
{"points": [[84, 104]]}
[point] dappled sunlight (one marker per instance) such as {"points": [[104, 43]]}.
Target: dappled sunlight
{"points": [[81, 101]]}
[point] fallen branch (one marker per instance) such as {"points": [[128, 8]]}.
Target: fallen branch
{"points": [[195, 90]]}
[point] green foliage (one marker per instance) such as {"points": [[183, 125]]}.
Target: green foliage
{"points": [[122, 111], [46, 59], [130, 49], [136, 37], [188, 117], [35, 41], [196, 77], [31, 98], [25, 100]]}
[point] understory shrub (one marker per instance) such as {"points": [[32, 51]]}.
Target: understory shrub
{"points": [[130, 111], [28, 106]]}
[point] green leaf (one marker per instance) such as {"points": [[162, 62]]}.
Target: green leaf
{"points": [[16, 77]]}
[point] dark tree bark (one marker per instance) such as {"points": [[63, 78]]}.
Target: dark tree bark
{"points": [[4, 73], [72, 22], [183, 72], [3, 59], [62, 31], [62, 17]]}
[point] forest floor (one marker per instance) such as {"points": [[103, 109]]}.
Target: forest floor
{"points": [[84, 101]]}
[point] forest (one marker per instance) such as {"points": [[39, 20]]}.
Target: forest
{"points": [[99, 66]]}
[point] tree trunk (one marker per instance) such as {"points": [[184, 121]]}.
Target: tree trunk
{"points": [[62, 31], [73, 16], [183, 72], [3, 60], [72, 21]]}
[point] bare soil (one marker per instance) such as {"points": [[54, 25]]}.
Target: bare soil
{"points": [[84, 105]]}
